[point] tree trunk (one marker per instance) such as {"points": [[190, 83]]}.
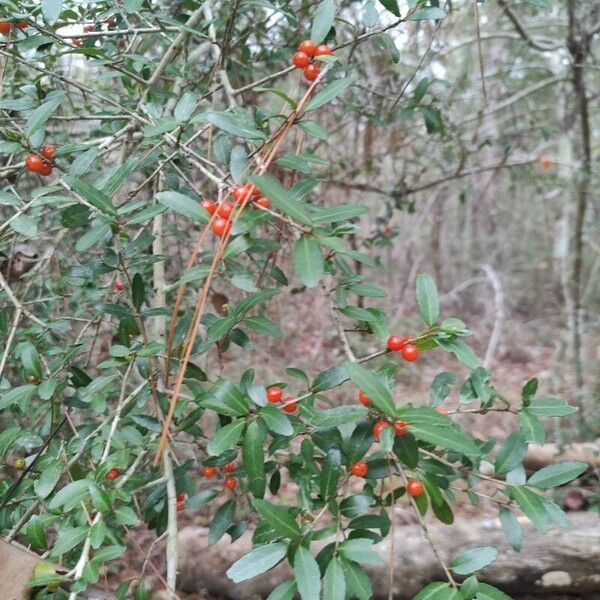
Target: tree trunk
{"points": [[561, 562]]}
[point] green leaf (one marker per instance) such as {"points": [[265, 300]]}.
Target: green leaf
{"points": [[68, 538], [7, 438], [18, 395], [226, 437], [225, 399], [185, 106], [557, 474], [428, 299], [357, 581], [354, 506], [42, 113], [230, 124], [440, 387], [308, 576], [253, 459], [330, 474], [263, 325], [276, 420], [334, 581], [329, 378], [428, 14], [25, 226], [282, 198], [278, 517], [93, 236], [532, 506], [372, 386], [551, 407], [258, 561], [329, 92], [94, 196], [338, 214], [284, 591], [100, 499], [71, 494], [36, 534], [48, 479], [161, 126], [488, 592], [313, 128], [138, 291], [308, 261], [511, 528], [438, 590], [473, 560], [511, 454], [392, 6], [532, 428], [359, 550], [322, 21], [221, 522], [461, 350], [183, 205]]}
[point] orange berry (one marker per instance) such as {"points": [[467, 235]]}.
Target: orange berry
{"points": [[230, 482], [34, 163], [395, 343], [323, 50], [48, 152], [263, 202], [229, 468], [220, 227], [289, 408], [400, 427], [379, 427], [442, 410], [209, 206], [311, 72], [274, 394], [410, 352], [5, 27], [364, 399], [209, 472], [46, 169], [359, 469], [301, 60], [113, 474], [308, 47], [225, 210], [414, 488]]}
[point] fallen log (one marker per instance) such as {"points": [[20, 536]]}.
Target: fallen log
{"points": [[562, 562]]}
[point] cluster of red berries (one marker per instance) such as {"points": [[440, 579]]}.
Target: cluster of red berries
{"points": [[275, 395], [6, 26], [230, 482], [41, 164], [400, 428], [303, 59], [241, 194], [403, 345]]}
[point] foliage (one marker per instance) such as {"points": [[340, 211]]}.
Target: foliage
{"points": [[166, 129]]}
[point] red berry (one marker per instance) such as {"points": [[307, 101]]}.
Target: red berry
{"points": [[252, 189], [263, 202], [88, 28], [289, 408], [238, 193], [400, 427], [229, 468], [308, 47], [46, 168], [379, 427], [311, 72], [395, 343], [48, 152], [180, 504], [209, 206], [209, 472], [21, 24], [274, 394], [34, 163], [5, 27], [181, 497], [225, 210], [230, 482], [119, 286], [76, 42], [301, 60], [364, 399], [410, 352], [360, 468], [323, 50], [442, 410], [113, 474], [220, 227], [414, 487]]}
